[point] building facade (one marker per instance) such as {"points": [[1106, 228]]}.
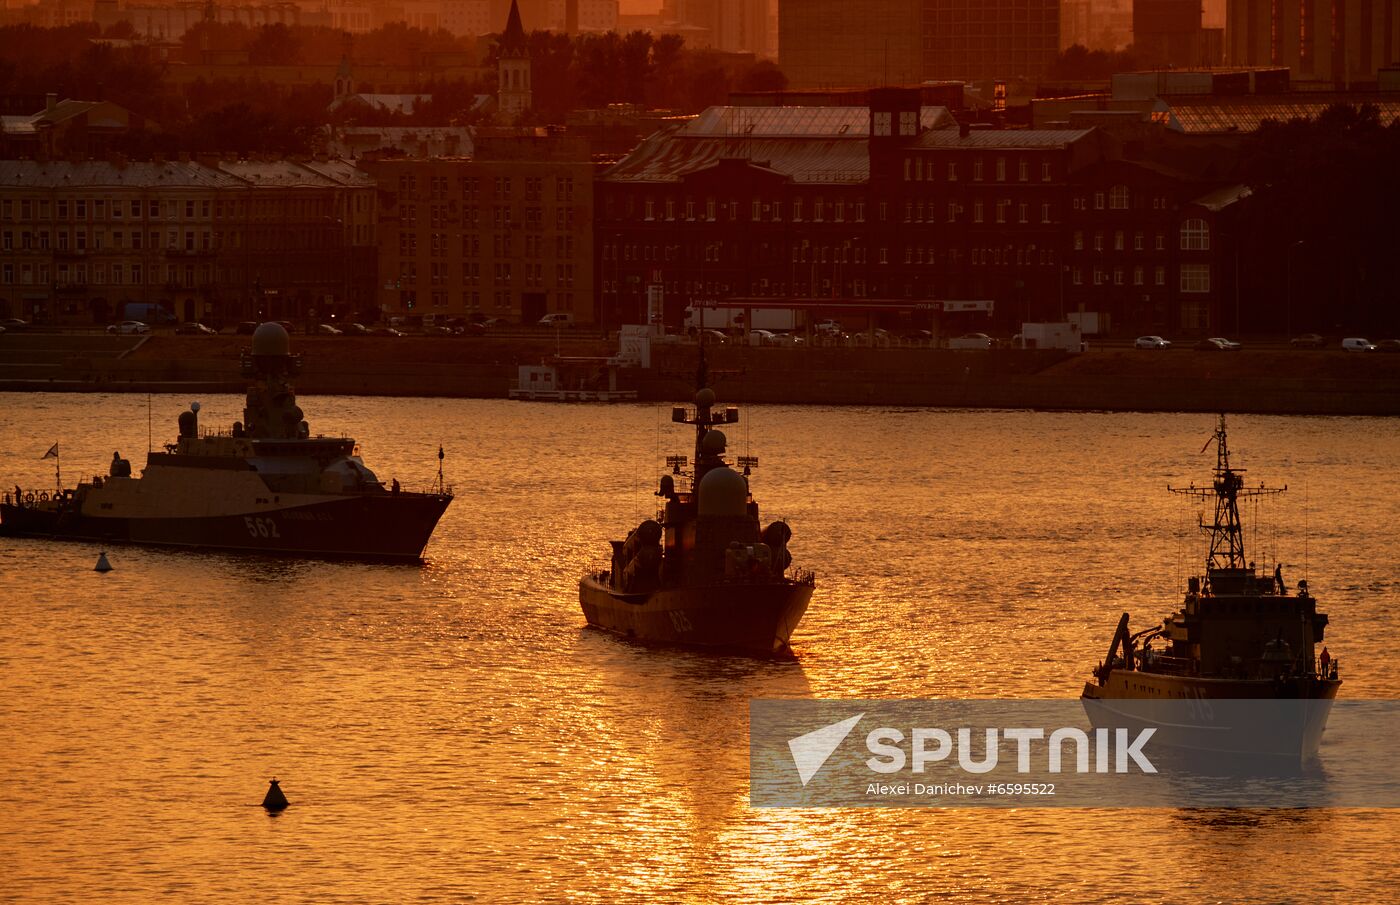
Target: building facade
{"points": [[506, 234], [215, 241], [1343, 42], [895, 203]]}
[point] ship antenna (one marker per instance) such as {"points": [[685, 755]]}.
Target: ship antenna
{"points": [[148, 423], [441, 456]]}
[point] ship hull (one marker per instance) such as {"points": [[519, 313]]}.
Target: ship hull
{"points": [[1234, 718], [747, 618], [365, 526]]}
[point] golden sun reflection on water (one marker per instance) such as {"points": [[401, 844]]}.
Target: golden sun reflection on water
{"points": [[452, 732]]}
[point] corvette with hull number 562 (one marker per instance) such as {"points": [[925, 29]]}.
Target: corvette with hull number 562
{"points": [[267, 485]]}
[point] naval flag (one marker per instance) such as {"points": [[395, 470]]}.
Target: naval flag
{"points": [[52, 453]]}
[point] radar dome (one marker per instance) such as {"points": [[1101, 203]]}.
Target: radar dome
{"points": [[271, 339], [705, 396], [723, 492], [714, 443]]}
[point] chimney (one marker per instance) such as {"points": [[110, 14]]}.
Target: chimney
{"points": [[50, 102], [964, 129]]}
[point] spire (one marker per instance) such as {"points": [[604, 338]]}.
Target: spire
{"points": [[513, 38]]}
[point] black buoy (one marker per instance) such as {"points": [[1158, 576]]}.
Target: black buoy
{"points": [[102, 564], [274, 800]]}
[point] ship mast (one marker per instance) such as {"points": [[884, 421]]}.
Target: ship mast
{"points": [[1226, 533]]}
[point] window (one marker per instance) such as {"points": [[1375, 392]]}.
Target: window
{"points": [[908, 122], [977, 212], [883, 123], [1001, 169], [952, 172], [1195, 278], [1137, 276], [1137, 241], [1118, 240], [1118, 198], [1195, 236], [1078, 240], [1045, 212], [977, 171], [1160, 277], [1098, 241], [1045, 171], [1023, 171], [1023, 212], [1161, 241], [1098, 201]]}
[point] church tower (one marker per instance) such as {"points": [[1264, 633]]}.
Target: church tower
{"points": [[513, 66]]}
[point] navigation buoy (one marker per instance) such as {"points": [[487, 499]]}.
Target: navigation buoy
{"points": [[274, 800], [102, 564]]}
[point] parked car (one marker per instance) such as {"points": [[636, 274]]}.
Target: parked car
{"points": [[193, 328], [13, 323], [1308, 341], [971, 341], [355, 330], [438, 331], [1212, 344], [246, 328], [1388, 345], [712, 337], [1357, 344], [557, 319], [1152, 342], [828, 326], [328, 330], [384, 331], [762, 338], [129, 327], [1228, 345]]}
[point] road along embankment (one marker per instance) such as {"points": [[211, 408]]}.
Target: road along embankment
{"points": [[1278, 380]]}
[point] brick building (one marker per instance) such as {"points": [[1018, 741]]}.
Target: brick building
{"points": [[508, 233], [212, 240], [897, 202]]}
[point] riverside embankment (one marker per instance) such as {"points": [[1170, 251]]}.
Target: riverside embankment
{"points": [[1261, 380]]}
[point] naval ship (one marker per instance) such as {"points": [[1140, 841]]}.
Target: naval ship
{"points": [[1236, 668], [703, 573], [267, 485]]}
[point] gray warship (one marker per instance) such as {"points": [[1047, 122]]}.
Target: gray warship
{"points": [[1237, 669], [703, 573], [267, 485]]}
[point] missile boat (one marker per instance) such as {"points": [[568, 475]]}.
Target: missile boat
{"points": [[1236, 669], [703, 573], [266, 485]]}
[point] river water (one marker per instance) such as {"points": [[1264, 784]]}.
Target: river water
{"points": [[453, 732]]}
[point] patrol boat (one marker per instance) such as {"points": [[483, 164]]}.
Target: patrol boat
{"points": [[703, 573], [267, 485], [1240, 641]]}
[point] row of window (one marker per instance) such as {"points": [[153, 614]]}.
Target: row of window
{"points": [[103, 209], [105, 275], [469, 187], [1193, 278], [925, 169], [503, 245], [1002, 211], [502, 274], [1193, 236]]}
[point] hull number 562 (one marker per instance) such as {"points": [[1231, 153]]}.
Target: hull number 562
{"points": [[260, 527]]}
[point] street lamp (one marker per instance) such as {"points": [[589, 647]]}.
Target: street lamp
{"points": [[1288, 312]]}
